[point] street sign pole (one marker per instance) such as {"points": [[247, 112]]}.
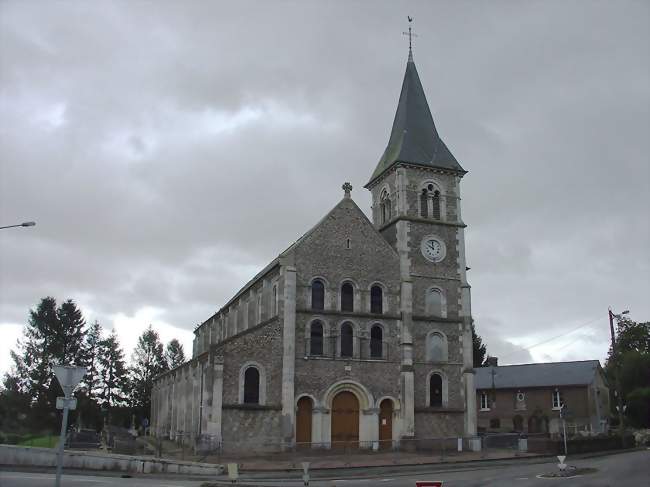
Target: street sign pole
{"points": [[68, 377], [563, 413], [59, 457]]}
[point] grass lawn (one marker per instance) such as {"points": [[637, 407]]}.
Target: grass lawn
{"points": [[40, 441]]}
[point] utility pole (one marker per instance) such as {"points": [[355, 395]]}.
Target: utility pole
{"points": [[616, 369]]}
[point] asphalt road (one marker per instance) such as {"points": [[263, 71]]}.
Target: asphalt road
{"points": [[623, 469]]}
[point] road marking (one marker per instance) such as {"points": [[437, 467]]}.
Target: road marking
{"points": [[385, 480]]}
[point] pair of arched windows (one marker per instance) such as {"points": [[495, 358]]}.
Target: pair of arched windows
{"points": [[318, 296], [430, 202], [375, 345]]}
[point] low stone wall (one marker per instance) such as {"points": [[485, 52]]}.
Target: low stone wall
{"points": [[46, 457]]}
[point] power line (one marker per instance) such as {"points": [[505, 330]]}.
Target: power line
{"points": [[552, 338]]}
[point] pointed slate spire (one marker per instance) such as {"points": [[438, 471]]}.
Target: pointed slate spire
{"points": [[414, 138]]}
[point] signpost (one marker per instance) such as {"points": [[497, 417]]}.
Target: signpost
{"points": [[68, 377], [564, 412]]}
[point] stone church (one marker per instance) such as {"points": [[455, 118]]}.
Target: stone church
{"points": [[359, 332]]}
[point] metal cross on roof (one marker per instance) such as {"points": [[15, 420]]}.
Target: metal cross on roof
{"points": [[411, 35]]}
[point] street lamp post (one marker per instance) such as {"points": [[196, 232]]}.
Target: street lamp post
{"points": [[24, 224], [617, 382]]}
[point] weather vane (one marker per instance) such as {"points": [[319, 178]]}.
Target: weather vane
{"points": [[411, 35]]}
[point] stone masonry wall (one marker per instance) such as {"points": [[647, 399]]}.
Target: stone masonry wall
{"points": [[370, 259]]}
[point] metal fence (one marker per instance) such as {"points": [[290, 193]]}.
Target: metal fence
{"points": [[212, 449]]}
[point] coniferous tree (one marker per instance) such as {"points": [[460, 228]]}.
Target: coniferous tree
{"points": [[174, 354], [148, 362], [52, 336], [68, 339], [91, 354], [479, 349], [114, 383]]}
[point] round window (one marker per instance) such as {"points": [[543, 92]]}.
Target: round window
{"points": [[520, 396]]}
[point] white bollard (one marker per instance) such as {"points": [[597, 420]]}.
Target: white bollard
{"points": [[233, 472]]}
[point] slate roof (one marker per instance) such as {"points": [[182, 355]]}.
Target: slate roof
{"points": [[537, 375], [414, 138]]}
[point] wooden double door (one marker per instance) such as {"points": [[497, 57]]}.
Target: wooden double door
{"points": [[345, 420]]}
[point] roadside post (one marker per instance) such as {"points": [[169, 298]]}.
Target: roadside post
{"points": [[305, 475], [233, 472], [563, 414], [68, 377]]}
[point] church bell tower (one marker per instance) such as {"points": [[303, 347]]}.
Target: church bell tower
{"points": [[416, 206]]}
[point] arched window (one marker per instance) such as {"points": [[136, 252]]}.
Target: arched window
{"points": [[347, 297], [347, 340], [436, 347], [275, 300], [251, 386], [376, 300], [376, 342], [433, 302], [317, 295], [436, 205], [435, 391], [424, 204], [316, 338], [384, 206]]}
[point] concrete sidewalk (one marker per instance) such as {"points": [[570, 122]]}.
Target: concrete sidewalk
{"points": [[325, 460]]}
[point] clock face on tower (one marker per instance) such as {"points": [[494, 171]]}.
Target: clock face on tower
{"points": [[433, 248]]}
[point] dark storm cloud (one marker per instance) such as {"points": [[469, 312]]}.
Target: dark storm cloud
{"points": [[169, 150]]}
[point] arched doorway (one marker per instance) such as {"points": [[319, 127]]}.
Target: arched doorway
{"points": [[303, 421], [385, 424], [345, 420], [518, 423]]}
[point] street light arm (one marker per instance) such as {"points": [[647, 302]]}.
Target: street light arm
{"points": [[24, 224]]}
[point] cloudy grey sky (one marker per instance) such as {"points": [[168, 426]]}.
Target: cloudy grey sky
{"points": [[169, 149]]}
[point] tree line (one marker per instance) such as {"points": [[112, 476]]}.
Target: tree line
{"points": [[110, 392]]}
